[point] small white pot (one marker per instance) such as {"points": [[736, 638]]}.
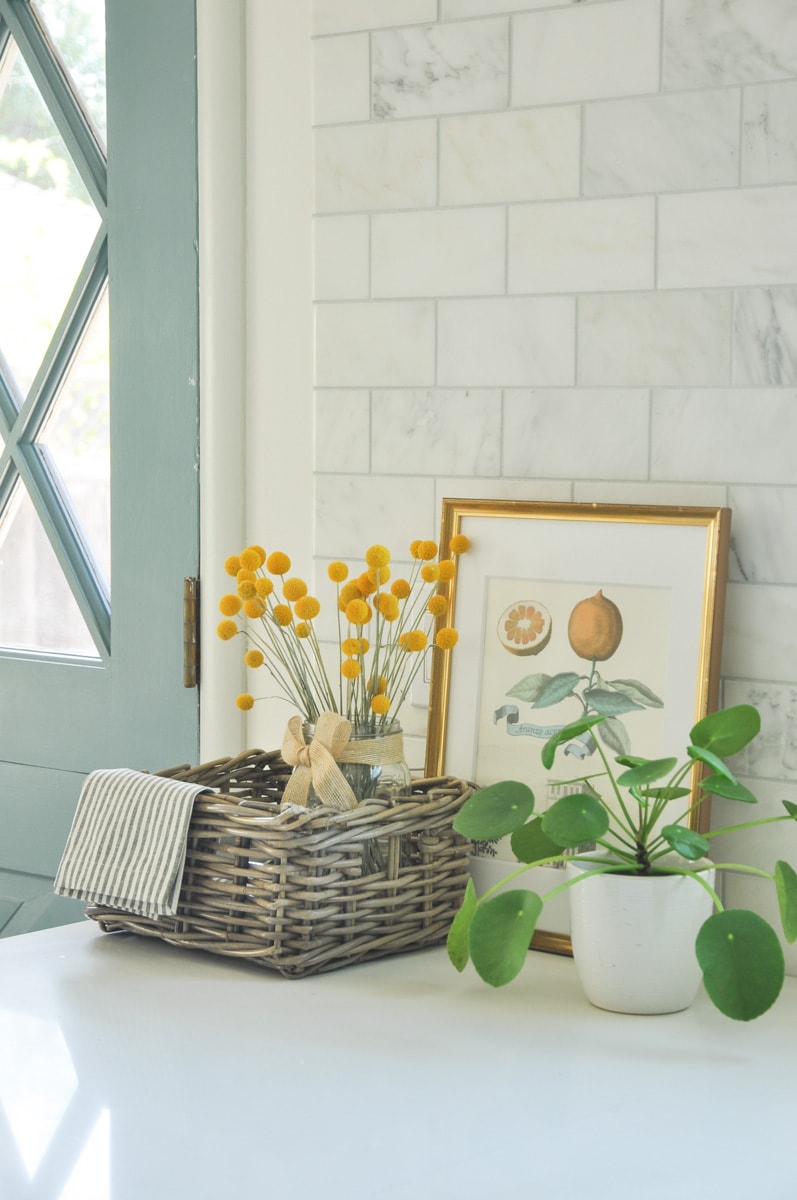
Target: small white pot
{"points": [[634, 938]]}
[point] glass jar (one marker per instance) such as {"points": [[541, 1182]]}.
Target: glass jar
{"points": [[372, 763]]}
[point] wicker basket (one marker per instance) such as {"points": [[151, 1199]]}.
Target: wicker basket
{"points": [[308, 890]]}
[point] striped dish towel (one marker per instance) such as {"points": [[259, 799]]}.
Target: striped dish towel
{"points": [[126, 848]]}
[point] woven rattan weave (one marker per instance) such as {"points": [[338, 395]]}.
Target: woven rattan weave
{"points": [[302, 891]]}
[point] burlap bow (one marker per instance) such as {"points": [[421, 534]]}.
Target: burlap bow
{"points": [[315, 764]]}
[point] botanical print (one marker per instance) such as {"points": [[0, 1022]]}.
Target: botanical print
{"points": [[554, 652]]}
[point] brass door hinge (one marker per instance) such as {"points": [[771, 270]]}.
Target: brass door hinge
{"points": [[190, 631]]}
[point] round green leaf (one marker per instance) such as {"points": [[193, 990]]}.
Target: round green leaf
{"points": [[576, 819], [500, 935], [742, 963], [711, 760], [729, 789], [530, 844], [646, 771], [495, 811], [458, 934], [685, 842], [786, 887], [727, 731]]}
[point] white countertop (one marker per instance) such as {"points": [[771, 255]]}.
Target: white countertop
{"points": [[130, 1070]]}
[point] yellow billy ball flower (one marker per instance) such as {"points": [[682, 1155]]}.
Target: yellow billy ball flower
{"points": [[447, 568], [378, 685], [294, 589], [415, 548], [459, 544], [226, 630], [245, 701], [337, 571], [437, 606], [303, 630], [355, 646], [446, 638], [264, 587], [366, 584], [400, 589], [377, 556], [378, 575], [278, 563], [254, 658], [251, 558], [427, 550], [283, 614], [254, 607], [307, 607], [348, 592], [232, 565], [416, 640], [229, 605], [247, 589], [245, 573], [350, 668], [388, 605], [358, 612], [430, 572], [380, 704]]}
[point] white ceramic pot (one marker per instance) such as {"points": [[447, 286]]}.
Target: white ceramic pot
{"points": [[634, 938]]}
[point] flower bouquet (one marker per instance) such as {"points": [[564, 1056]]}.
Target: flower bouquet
{"points": [[386, 627]]}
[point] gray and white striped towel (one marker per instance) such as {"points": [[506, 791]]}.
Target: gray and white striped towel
{"points": [[126, 848]]}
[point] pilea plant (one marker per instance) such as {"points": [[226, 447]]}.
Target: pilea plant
{"points": [[739, 953]]}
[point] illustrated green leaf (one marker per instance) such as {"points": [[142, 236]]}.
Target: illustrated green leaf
{"points": [[529, 688], [686, 842], [699, 754], [726, 732], [786, 887], [729, 789], [667, 793], [791, 808], [548, 752], [495, 811], [637, 691], [742, 962], [530, 843], [609, 704], [575, 819], [646, 771], [500, 934], [614, 733], [458, 934], [558, 687]]}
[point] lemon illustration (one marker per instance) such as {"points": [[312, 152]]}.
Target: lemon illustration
{"points": [[524, 627], [595, 628]]}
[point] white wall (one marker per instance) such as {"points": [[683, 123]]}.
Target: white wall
{"points": [[555, 256]]}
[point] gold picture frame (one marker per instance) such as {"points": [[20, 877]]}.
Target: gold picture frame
{"points": [[547, 600]]}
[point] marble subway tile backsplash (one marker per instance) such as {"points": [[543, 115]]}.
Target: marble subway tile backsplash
{"points": [[744, 41], [765, 336], [662, 143], [582, 246], [497, 158], [659, 338], [724, 238], [359, 168], [565, 54], [442, 252], [555, 258], [424, 70]]}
